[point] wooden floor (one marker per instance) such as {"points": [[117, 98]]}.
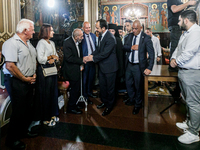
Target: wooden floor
{"points": [[119, 130]]}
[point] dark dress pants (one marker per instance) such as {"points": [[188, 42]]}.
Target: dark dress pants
{"points": [[7, 83], [175, 34], [88, 78], [107, 88], [74, 94], [135, 83], [21, 117]]}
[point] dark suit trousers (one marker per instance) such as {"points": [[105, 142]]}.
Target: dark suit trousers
{"points": [[88, 78], [21, 117], [7, 83], [134, 83], [74, 94], [107, 88]]}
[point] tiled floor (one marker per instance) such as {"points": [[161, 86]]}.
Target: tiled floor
{"points": [[118, 131]]}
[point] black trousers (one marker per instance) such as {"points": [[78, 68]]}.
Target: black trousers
{"points": [[175, 34], [46, 104], [21, 117], [74, 94], [107, 88], [135, 84]]}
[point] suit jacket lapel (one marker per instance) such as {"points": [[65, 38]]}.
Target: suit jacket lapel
{"points": [[104, 39], [76, 48], [141, 40], [131, 35]]}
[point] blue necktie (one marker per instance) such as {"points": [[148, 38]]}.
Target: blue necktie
{"points": [[133, 52]]}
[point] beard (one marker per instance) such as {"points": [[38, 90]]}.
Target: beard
{"points": [[183, 27], [79, 40], [100, 33]]}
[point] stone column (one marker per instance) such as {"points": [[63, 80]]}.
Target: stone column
{"points": [[10, 15], [91, 12]]}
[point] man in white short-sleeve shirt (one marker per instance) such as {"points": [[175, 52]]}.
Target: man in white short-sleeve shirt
{"points": [[19, 70]]}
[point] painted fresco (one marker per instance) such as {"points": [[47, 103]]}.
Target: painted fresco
{"points": [[111, 14], [61, 16], [106, 14], [157, 15]]}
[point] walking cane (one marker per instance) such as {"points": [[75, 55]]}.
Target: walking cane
{"points": [[82, 98]]}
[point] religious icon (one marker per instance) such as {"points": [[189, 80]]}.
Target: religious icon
{"points": [[154, 16], [106, 15], [114, 8], [164, 14]]}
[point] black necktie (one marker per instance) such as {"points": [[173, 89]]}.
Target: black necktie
{"points": [[90, 43], [99, 40], [133, 51]]}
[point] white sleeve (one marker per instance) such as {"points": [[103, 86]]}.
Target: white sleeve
{"points": [[42, 58], [158, 47], [9, 50], [190, 49], [174, 54]]}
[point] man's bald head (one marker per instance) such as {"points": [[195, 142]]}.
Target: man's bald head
{"points": [[137, 27], [86, 27], [77, 35]]}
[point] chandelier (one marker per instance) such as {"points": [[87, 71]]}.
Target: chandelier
{"points": [[133, 13]]}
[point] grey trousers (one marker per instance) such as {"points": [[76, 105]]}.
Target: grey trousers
{"points": [[189, 81]]}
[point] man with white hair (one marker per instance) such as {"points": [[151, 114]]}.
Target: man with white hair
{"points": [[71, 67], [88, 47], [19, 70]]}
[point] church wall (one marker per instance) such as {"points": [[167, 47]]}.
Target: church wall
{"points": [[155, 23], [155, 17]]}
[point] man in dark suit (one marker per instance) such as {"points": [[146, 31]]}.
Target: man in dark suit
{"points": [[137, 45], [88, 47], [106, 57], [71, 67]]}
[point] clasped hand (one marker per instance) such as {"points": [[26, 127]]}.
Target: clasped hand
{"points": [[87, 58], [134, 47]]}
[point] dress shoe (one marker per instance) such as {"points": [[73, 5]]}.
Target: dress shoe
{"points": [[136, 110], [75, 111], [15, 144], [129, 103], [92, 95], [31, 134], [102, 105], [79, 107], [106, 111], [126, 100], [89, 101]]}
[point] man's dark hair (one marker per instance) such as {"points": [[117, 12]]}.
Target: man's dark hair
{"points": [[148, 29], [103, 23], [130, 21], [190, 15]]}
